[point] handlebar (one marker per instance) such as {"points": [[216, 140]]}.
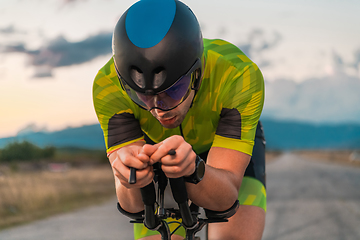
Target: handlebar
{"points": [[132, 178], [180, 195], [154, 221], [179, 192]]}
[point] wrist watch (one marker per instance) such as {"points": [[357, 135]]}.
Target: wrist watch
{"points": [[198, 175]]}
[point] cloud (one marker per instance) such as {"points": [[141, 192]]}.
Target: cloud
{"points": [[258, 41], [10, 30], [356, 63], [7, 30], [43, 72], [341, 66], [338, 63], [329, 99], [67, 2], [20, 47], [332, 98], [59, 52]]}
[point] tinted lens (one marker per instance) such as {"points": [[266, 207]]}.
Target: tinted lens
{"points": [[179, 89], [166, 100]]}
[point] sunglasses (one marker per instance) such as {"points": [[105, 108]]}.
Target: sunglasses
{"points": [[169, 98]]}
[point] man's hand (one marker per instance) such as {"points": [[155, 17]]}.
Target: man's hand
{"points": [[132, 156], [174, 166]]}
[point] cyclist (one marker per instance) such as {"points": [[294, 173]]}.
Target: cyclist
{"points": [[167, 88]]}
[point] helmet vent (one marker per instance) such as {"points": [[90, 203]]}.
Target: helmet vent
{"points": [[137, 76], [159, 76]]}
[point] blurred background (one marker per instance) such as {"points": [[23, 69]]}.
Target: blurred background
{"points": [[50, 52], [309, 53]]}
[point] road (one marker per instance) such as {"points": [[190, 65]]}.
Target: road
{"points": [[306, 200], [312, 200]]}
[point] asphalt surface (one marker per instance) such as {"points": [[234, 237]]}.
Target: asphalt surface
{"points": [[306, 200], [312, 200]]}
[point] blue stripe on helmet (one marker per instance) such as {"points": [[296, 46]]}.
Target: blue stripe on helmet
{"points": [[148, 21]]}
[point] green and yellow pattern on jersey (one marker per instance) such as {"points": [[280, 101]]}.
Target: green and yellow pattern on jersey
{"points": [[230, 81]]}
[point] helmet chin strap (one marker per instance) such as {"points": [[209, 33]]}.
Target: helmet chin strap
{"points": [[192, 100]]}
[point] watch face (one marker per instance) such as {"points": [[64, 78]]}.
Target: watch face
{"points": [[201, 169], [198, 175]]}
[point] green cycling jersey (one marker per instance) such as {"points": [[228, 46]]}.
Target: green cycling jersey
{"points": [[224, 113]]}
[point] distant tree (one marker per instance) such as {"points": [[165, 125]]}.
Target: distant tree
{"points": [[48, 152], [25, 151]]}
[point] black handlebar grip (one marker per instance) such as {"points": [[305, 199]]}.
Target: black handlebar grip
{"points": [[172, 152], [132, 177], [148, 194], [180, 195], [178, 189], [149, 198]]}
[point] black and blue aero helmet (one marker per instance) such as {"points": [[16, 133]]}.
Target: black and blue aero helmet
{"points": [[157, 51]]}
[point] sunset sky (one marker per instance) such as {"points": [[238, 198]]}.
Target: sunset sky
{"points": [[51, 50]]}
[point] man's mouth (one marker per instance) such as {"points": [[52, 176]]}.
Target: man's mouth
{"points": [[167, 121]]}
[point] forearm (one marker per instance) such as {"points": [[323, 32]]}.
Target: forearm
{"points": [[129, 198], [224, 172], [216, 191]]}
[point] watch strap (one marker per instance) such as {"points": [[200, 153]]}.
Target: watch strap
{"points": [[195, 178]]}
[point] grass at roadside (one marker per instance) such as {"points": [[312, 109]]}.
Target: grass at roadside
{"points": [[343, 157], [30, 195]]}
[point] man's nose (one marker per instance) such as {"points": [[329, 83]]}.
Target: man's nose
{"points": [[159, 101], [159, 112]]}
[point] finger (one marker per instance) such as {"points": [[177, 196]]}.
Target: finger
{"points": [[172, 160], [157, 145], [120, 170], [143, 157], [182, 153], [164, 151], [148, 149], [172, 144], [132, 161], [117, 173], [146, 152], [174, 171], [119, 176], [177, 168], [112, 164], [146, 173], [145, 176]]}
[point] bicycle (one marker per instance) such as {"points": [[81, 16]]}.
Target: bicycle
{"points": [[154, 214]]}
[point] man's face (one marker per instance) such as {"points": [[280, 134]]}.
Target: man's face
{"points": [[174, 117]]}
